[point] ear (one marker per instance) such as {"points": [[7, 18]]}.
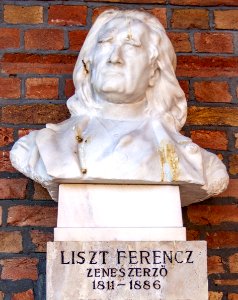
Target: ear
{"points": [[154, 75]]}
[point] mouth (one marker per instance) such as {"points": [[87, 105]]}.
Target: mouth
{"points": [[112, 73]]}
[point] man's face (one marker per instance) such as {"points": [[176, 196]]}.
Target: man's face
{"points": [[121, 67]]}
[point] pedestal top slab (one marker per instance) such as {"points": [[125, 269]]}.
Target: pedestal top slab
{"points": [[99, 205]]}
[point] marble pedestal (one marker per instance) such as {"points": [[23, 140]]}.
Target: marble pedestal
{"points": [[123, 242], [99, 212]]}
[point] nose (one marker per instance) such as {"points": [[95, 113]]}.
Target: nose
{"points": [[116, 56]]}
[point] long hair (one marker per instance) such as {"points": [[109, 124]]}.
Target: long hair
{"points": [[165, 98]]}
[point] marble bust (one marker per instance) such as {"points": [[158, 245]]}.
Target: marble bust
{"points": [[126, 114]]}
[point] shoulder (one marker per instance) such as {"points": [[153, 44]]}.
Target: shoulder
{"points": [[215, 172]]}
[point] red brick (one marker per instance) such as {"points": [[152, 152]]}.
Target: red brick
{"points": [[222, 239], [76, 39], [223, 282], [99, 10], [212, 214], [69, 88], [16, 14], [5, 163], [215, 295], [11, 242], [185, 87], [24, 131], [27, 295], [190, 18], [232, 296], [0, 216], [236, 140], [6, 136], [226, 19], [192, 235], [232, 190], [21, 63], [160, 14], [13, 188], [130, 1], [233, 263], [205, 2], [19, 268], [215, 265], [40, 193], [180, 41], [46, 39], [216, 140], [42, 88], [212, 116], [67, 15], [34, 114], [32, 216], [9, 38], [213, 42], [40, 238], [233, 164], [198, 66], [10, 88], [212, 91]]}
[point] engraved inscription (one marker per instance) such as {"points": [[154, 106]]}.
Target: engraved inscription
{"points": [[127, 270]]}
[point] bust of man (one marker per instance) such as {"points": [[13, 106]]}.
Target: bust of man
{"points": [[126, 114]]}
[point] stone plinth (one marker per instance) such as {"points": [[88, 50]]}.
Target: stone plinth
{"points": [[127, 270], [99, 212]]}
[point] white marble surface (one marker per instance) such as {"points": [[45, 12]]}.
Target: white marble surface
{"points": [[126, 115], [97, 212], [172, 270], [98, 205], [119, 234]]}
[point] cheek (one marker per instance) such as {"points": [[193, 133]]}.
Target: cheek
{"points": [[96, 67], [102, 52], [140, 70], [99, 57]]}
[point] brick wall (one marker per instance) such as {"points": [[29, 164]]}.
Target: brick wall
{"points": [[39, 42]]}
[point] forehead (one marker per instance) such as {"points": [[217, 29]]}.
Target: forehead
{"points": [[125, 25]]}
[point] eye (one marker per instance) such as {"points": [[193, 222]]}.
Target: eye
{"points": [[132, 42], [132, 46], [104, 40]]}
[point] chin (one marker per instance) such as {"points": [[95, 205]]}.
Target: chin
{"points": [[111, 88], [113, 97]]}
